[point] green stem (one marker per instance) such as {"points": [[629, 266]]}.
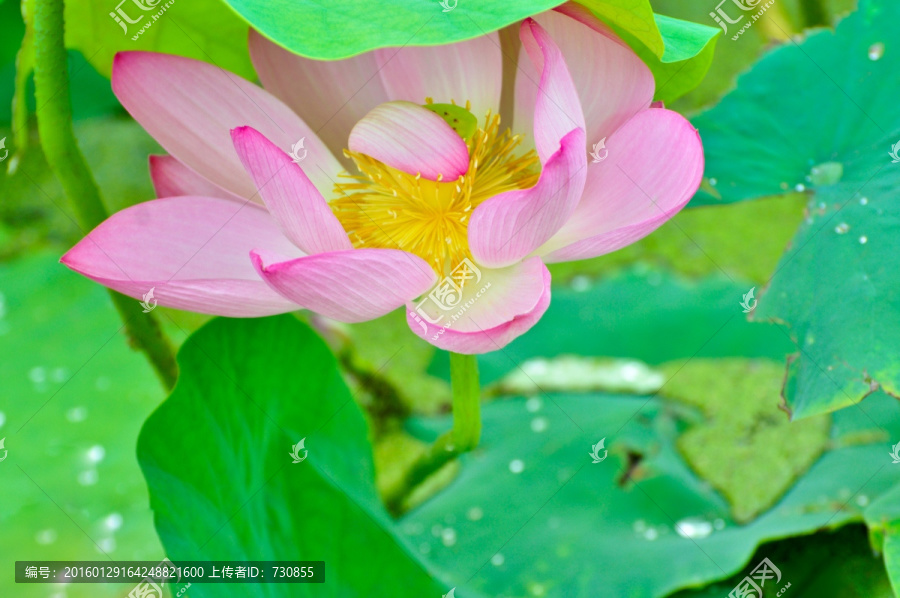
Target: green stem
{"points": [[466, 401], [54, 116], [24, 66], [464, 436]]}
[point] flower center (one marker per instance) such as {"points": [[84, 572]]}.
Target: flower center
{"points": [[383, 207]]}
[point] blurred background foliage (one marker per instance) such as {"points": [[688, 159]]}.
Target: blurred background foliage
{"points": [[713, 441]]}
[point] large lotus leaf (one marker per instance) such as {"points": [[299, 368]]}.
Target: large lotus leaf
{"points": [[678, 52], [531, 513], [72, 399], [223, 484], [836, 288]]}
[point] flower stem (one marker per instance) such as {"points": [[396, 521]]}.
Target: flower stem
{"points": [[466, 401], [54, 117], [464, 436]]}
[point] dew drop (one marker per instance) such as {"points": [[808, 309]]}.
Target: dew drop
{"points": [[424, 547], [76, 414], [37, 374], [533, 405], [2, 419], [516, 466], [448, 537], [719, 524], [841, 228], [863, 240], [474, 514], [46, 536], [876, 51], [102, 383], [639, 526], [651, 534], [800, 188], [537, 589], [713, 182], [863, 201], [693, 528], [96, 453], [88, 477], [862, 500], [497, 560], [107, 544], [113, 521], [539, 424]]}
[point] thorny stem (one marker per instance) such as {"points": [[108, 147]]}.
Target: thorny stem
{"points": [[463, 438], [51, 82]]}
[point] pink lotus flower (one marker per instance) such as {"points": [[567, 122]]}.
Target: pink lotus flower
{"points": [[443, 200]]}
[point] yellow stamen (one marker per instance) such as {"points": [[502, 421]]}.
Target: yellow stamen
{"points": [[386, 208]]}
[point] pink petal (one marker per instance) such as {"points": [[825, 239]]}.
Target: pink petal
{"points": [[612, 82], [301, 211], [329, 95], [171, 178], [491, 313], [413, 139], [349, 286], [654, 166], [509, 226], [190, 106], [469, 70], [555, 103], [192, 251]]}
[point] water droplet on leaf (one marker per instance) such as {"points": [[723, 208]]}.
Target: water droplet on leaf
{"points": [[693, 528], [876, 51]]}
